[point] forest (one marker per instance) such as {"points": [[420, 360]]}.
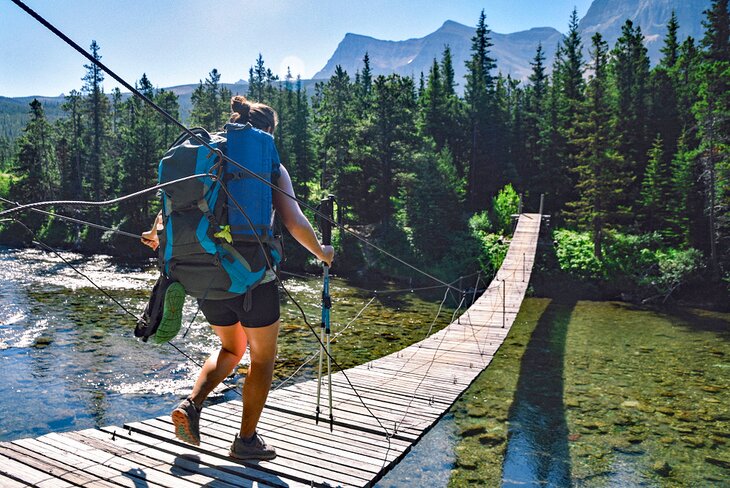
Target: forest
{"points": [[631, 159]]}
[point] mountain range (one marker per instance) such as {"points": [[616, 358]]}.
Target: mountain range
{"points": [[515, 51]]}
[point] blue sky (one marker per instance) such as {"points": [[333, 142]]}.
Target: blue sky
{"points": [[179, 42]]}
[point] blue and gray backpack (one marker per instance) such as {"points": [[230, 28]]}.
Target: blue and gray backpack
{"points": [[218, 239]]}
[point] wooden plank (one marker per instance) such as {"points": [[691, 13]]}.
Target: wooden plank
{"points": [[92, 467], [288, 462], [17, 470], [356, 441], [244, 470], [58, 469], [7, 482], [180, 464]]}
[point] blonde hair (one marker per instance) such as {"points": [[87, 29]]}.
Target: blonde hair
{"points": [[257, 114]]}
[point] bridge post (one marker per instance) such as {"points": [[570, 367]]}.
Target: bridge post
{"points": [[519, 206], [542, 200], [504, 305], [523, 266]]}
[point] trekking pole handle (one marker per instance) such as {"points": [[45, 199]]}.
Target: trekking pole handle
{"points": [[326, 207]]}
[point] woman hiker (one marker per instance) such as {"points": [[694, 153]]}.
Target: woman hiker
{"points": [[259, 327]]}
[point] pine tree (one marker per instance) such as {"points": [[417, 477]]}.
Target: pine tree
{"points": [[302, 153], [567, 99], [630, 70], [36, 165], [654, 187], [670, 50], [210, 103], [73, 135], [483, 175], [535, 101], [336, 122], [680, 196], [97, 118], [601, 174], [433, 107], [712, 111]]}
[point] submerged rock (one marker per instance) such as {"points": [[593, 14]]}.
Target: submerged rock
{"points": [[662, 468], [473, 431], [492, 439], [723, 463]]}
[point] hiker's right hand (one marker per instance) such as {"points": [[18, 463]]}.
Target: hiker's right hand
{"points": [[327, 255], [150, 239]]}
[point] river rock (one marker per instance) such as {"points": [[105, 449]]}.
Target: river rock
{"points": [[491, 439], [662, 468], [666, 440], [717, 461], [693, 441], [630, 404], [472, 431], [665, 410], [712, 388], [42, 341]]}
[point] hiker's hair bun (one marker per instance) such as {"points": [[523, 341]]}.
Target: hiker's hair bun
{"points": [[240, 108]]}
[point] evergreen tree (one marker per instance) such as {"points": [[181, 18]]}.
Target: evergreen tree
{"points": [[670, 50], [97, 119], [211, 103], [432, 204], [36, 165], [302, 153], [141, 154], [665, 119], [712, 111], [73, 161], [601, 175], [679, 201], [483, 176], [535, 101], [655, 188], [630, 69], [454, 117], [433, 108], [566, 102], [385, 146], [335, 119]]}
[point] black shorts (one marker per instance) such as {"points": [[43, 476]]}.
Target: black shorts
{"points": [[264, 308]]}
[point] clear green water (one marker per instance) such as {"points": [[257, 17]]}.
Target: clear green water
{"points": [[601, 394]]}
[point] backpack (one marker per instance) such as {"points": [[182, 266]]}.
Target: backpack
{"points": [[208, 244]]}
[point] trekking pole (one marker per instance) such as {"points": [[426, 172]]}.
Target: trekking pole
{"points": [[326, 229]]}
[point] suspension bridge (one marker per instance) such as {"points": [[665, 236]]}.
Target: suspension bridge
{"points": [[380, 410]]}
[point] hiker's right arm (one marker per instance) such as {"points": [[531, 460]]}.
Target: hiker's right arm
{"points": [[296, 222]]}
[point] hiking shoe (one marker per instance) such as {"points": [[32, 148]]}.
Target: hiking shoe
{"points": [[172, 313], [254, 448], [186, 419]]}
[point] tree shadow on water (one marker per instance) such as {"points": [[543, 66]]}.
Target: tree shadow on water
{"points": [[537, 446]]}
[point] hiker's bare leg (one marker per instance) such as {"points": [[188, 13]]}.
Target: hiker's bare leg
{"points": [[220, 363], [262, 343]]}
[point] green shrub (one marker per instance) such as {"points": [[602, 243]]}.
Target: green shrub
{"points": [[639, 261], [504, 205], [574, 251]]}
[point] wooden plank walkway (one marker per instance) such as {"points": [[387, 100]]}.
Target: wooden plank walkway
{"points": [[406, 393]]}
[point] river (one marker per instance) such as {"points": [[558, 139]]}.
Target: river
{"points": [[581, 393]]}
